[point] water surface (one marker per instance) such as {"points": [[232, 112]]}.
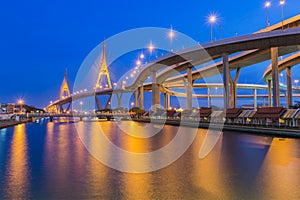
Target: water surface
{"points": [[47, 160]]}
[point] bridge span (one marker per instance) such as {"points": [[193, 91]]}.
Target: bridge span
{"points": [[256, 48]]}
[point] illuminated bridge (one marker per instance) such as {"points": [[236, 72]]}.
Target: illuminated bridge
{"points": [[166, 71]]}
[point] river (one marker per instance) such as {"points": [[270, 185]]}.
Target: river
{"points": [[47, 160]]}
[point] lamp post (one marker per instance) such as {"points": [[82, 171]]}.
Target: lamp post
{"points": [[171, 35], [132, 104], [81, 103], [21, 105], [142, 56], [20, 102], [281, 75], [150, 49], [212, 19], [296, 83], [282, 2], [138, 63], [267, 5]]}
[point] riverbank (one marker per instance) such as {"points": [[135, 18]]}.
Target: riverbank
{"points": [[6, 124], [266, 131]]}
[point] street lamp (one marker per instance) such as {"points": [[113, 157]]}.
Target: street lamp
{"points": [[132, 104], [81, 103], [138, 62], [171, 35], [150, 47], [267, 5], [20, 102], [282, 2], [281, 75], [212, 19], [296, 82], [142, 56]]}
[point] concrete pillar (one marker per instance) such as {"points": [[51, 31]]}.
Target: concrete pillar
{"points": [[275, 76], [136, 97], [269, 93], [169, 100], [189, 87], [208, 98], [289, 100], [255, 98], [108, 104], [119, 98], [165, 101], [234, 88], [99, 107], [142, 98], [226, 76], [155, 90], [61, 109], [231, 94]]}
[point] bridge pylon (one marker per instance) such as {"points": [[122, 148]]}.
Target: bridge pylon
{"points": [[64, 88], [103, 72]]}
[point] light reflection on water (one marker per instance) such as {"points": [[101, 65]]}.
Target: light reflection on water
{"points": [[239, 167], [17, 170]]}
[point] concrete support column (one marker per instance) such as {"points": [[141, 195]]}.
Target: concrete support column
{"points": [[226, 80], [275, 76], [119, 98], [234, 88], [208, 98], [155, 90], [289, 100], [142, 98], [165, 101], [169, 100], [255, 98], [136, 97], [108, 104], [231, 94], [189, 87], [269, 93]]}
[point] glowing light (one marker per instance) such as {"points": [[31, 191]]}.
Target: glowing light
{"points": [[282, 2], [20, 101], [171, 34], [267, 4], [132, 104], [142, 56], [151, 47], [81, 103], [138, 62], [212, 18]]}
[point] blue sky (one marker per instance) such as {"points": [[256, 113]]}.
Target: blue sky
{"points": [[40, 39]]}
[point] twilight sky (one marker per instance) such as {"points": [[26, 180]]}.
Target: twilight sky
{"points": [[40, 39]]}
